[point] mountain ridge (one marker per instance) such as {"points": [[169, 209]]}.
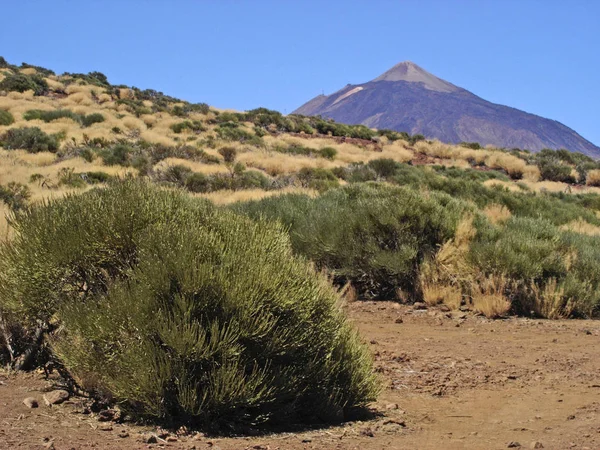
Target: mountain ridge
{"points": [[408, 98]]}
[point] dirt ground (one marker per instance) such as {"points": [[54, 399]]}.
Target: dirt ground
{"points": [[452, 381]]}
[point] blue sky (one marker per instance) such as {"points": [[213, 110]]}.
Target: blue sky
{"points": [[537, 55]]}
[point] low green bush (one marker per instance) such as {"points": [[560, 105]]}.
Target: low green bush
{"points": [[15, 195], [183, 313], [31, 139], [118, 155], [6, 118], [19, 82], [372, 235], [91, 119]]}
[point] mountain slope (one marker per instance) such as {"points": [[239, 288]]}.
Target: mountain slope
{"points": [[408, 98]]}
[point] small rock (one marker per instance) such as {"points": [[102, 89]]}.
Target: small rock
{"points": [[444, 308], [149, 438], [399, 320], [50, 445], [171, 439], [31, 402], [106, 415], [367, 432], [105, 427], [373, 341], [419, 306], [537, 444], [123, 434], [514, 444], [571, 417], [56, 397], [391, 406]]}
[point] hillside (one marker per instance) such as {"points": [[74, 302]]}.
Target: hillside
{"points": [[408, 98], [253, 279]]}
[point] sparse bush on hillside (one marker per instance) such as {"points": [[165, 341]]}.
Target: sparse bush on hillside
{"points": [[194, 126], [471, 145], [91, 119], [15, 195], [6, 118], [384, 167], [31, 139], [49, 116], [19, 82], [229, 324], [119, 154]]}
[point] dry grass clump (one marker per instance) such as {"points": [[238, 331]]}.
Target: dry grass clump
{"points": [[515, 167], [582, 227], [133, 123], [275, 163], [549, 301], [28, 71], [488, 296], [55, 84], [226, 197], [156, 137], [443, 278], [497, 214], [593, 178], [513, 187], [436, 149], [435, 294]]}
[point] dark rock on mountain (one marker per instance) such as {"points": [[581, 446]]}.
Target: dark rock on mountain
{"points": [[408, 98]]}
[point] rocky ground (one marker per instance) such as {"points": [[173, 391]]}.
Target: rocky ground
{"points": [[452, 380]]}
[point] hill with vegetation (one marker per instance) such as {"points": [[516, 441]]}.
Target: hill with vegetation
{"points": [[140, 230], [408, 98]]}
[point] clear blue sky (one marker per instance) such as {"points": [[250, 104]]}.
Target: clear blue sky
{"points": [[540, 56]]}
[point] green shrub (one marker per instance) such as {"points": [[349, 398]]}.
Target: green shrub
{"points": [[49, 116], [195, 126], [19, 82], [384, 167], [328, 153], [6, 118], [31, 139], [96, 177], [198, 182], [228, 153], [118, 155], [555, 171], [471, 145], [15, 195], [68, 177], [187, 313], [369, 234], [317, 178], [91, 119]]}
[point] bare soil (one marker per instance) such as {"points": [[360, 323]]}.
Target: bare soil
{"points": [[452, 380]]}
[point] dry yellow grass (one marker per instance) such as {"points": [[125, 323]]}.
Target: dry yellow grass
{"points": [[513, 187], [227, 197], [582, 227], [488, 297], [497, 214], [275, 163], [593, 178], [436, 294], [549, 300], [28, 71]]}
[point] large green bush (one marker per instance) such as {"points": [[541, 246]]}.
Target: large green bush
{"points": [[372, 235], [183, 312], [31, 139], [20, 82]]}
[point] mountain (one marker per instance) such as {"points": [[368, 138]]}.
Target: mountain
{"points": [[408, 98]]}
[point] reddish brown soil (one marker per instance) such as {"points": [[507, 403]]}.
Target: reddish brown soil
{"points": [[458, 380]]}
